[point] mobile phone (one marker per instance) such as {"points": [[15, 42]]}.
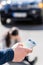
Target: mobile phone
{"points": [[29, 44]]}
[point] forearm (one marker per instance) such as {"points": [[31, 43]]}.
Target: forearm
{"points": [[7, 55]]}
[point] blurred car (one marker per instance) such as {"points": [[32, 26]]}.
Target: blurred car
{"points": [[25, 11]]}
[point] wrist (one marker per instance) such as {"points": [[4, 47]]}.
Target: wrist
{"points": [[11, 54]]}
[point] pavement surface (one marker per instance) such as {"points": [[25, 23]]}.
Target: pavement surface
{"points": [[34, 32]]}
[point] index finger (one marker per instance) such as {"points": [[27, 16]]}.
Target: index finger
{"points": [[28, 50]]}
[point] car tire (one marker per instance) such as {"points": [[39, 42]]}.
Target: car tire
{"points": [[39, 20], [3, 20]]}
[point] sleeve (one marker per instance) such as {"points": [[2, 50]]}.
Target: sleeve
{"points": [[6, 56]]}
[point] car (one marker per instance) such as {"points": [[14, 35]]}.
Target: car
{"points": [[21, 11]]}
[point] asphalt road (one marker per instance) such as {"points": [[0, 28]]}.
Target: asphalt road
{"points": [[34, 32]]}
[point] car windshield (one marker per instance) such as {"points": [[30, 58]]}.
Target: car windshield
{"points": [[20, 1], [29, 1]]}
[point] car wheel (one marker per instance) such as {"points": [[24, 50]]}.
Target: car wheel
{"points": [[39, 20], [3, 20]]}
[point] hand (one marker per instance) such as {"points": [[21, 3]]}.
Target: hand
{"points": [[19, 52]]}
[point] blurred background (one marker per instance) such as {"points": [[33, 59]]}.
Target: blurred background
{"points": [[27, 16]]}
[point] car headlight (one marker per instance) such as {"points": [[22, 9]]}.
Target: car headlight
{"points": [[40, 5]]}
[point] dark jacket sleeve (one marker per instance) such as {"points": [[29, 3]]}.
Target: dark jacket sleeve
{"points": [[6, 56]]}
